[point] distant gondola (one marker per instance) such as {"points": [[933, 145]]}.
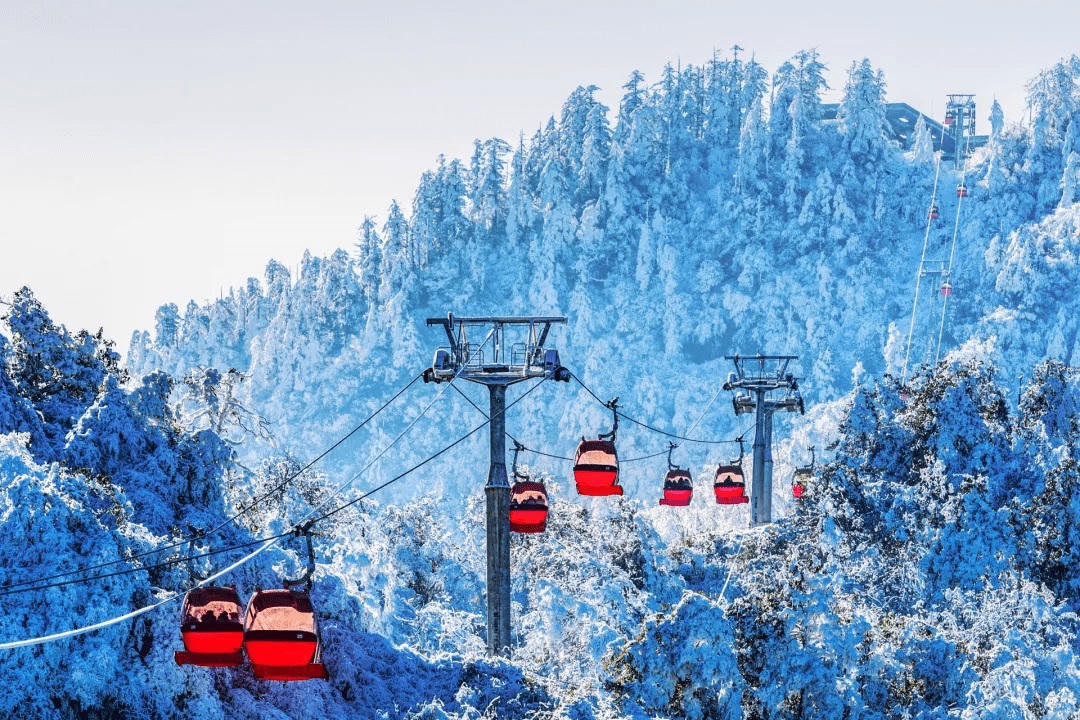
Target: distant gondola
{"points": [[800, 479], [678, 484], [730, 483]]}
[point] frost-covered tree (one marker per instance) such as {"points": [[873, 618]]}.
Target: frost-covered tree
{"points": [[487, 192], [595, 148], [632, 99], [1070, 180], [166, 325], [862, 113], [367, 258], [921, 142], [795, 110], [57, 373]]}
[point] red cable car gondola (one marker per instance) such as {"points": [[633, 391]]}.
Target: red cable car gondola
{"points": [[596, 465], [211, 628], [678, 488], [949, 119], [528, 507], [801, 478], [281, 631], [528, 501], [961, 191], [678, 484], [946, 288], [730, 484], [934, 212], [281, 636]]}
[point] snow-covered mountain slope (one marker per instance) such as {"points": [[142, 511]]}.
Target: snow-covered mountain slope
{"points": [[698, 227], [929, 572]]}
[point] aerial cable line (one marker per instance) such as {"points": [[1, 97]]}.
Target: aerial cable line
{"points": [[419, 465], [267, 543], [516, 442], [156, 566], [644, 457], [706, 410], [650, 427], [243, 510], [524, 448], [547, 455], [187, 558], [538, 452], [209, 553], [344, 486], [282, 485], [135, 613]]}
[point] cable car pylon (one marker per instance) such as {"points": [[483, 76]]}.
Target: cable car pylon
{"points": [[527, 359], [761, 381]]}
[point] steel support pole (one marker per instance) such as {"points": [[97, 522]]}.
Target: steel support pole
{"points": [[758, 506], [767, 517], [498, 530]]}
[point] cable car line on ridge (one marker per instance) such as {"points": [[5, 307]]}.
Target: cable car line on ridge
{"points": [[946, 287], [5, 588], [931, 216], [945, 269]]}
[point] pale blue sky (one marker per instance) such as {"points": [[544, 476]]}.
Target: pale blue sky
{"points": [[153, 152]]}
